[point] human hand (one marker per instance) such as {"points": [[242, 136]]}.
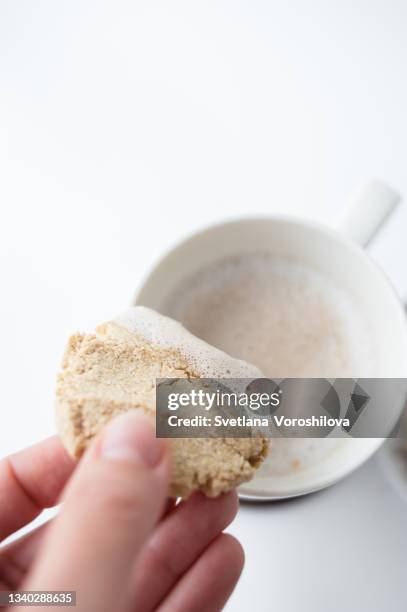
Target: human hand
{"points": [[117, 541]]}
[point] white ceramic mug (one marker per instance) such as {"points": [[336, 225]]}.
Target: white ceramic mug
{"points": [[340, 254]]}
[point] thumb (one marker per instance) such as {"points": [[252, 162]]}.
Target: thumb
{"points": [[111, 506]]}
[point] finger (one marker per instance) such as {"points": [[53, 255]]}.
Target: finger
{"points": [[168, 507], [110, 508], [17, 557], [207, 586], [30, 481], [177, 543]]}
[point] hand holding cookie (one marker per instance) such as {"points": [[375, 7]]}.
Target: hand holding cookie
{"points": [[116, 528]]}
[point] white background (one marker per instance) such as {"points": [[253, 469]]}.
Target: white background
{"points": [[126, 125]]}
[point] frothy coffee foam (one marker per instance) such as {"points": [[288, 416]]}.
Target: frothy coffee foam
{"points": [[283, 316], [207, 360]]}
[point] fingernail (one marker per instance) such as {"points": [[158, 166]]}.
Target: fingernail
{"points": [[131, 437]]}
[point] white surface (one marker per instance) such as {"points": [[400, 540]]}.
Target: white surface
{"points": [[339, 549], [126, 125]]}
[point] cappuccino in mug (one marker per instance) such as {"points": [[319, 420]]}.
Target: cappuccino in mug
{"points": [[284, 317]]}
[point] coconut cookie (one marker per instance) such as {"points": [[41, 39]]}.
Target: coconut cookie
{"points": [[114, 370]]}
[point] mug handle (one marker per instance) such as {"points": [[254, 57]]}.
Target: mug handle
{"points": [[367, 210]]}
